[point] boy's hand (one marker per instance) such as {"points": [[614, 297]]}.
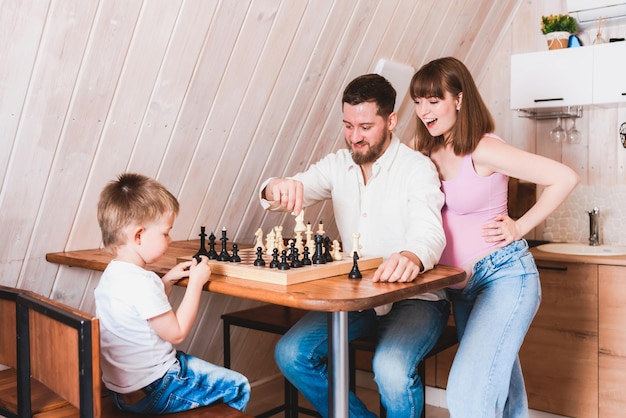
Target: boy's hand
{"points": [[199, 272], [187, 269]]}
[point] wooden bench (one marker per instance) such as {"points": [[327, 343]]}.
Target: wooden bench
{"points": [[278, 319], [62, 350]]}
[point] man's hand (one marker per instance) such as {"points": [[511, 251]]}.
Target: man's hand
{"points": [[286, 192], [399, 267]]}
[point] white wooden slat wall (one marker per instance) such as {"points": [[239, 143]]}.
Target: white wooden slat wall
{"points": [[213, 96]]}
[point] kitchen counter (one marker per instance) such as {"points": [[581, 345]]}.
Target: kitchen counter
{"points": [[615, 260]]}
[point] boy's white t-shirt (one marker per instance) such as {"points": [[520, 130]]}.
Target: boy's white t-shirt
{"points": [[132, 354]]}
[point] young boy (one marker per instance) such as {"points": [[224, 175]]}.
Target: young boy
{"points": [[141, 368]]}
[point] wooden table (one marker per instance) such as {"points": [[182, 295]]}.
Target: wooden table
{"points": [[336, 295]]}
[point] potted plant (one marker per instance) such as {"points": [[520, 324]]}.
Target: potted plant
{"points": [[558, 29]]}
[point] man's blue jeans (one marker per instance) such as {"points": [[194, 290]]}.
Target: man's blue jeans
{"points": [[492, 315], [405, 335], [190, 383]]}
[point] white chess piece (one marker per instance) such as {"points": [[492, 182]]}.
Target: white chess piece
{"points": [[320, 229], [336, 251], [259, 239], [309, 235], [355, 244], [280, 243], [270, 242], [298, 230]]}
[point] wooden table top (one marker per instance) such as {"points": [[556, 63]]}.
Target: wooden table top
{"points": [[331, 294]]}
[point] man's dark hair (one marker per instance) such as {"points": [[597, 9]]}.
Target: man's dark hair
{"points": [[371, 88]]}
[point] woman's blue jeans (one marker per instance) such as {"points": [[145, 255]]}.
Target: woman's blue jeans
{"points": [[493, 313], [405, 335], [188, 384]]}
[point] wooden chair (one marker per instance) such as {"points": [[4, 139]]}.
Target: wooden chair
{"points": [[43, 399], [64, 346], [278, 319]]}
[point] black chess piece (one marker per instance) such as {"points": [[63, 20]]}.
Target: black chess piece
{"points": [[235, 257], [274, 262], [306, 261], [212, 253], [295, 262], [202, 250], [318, 255], [327, 256], [223, 256], [283, 265], [259, 262], [292, 247], [355, 273]]}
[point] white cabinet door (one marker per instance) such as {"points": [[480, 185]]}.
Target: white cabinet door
{"points": [[609, 73], [554, 78]]}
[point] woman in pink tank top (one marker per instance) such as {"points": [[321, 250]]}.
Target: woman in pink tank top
{"points": [[494, 307]]}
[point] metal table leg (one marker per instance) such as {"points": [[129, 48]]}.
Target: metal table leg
{"points": [[338, 364]]}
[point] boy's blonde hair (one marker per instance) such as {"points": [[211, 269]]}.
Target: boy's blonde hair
{"points": [[131, 199]]}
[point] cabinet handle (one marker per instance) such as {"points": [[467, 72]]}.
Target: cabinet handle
{"points": [[556, 99], [555, 268], [623, 94]]}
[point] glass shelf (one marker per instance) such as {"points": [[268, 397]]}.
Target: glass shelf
{"points": [[572, 112]]}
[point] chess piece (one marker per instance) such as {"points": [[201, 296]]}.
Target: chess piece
{"points": [[212, 252], [298, 230], [295, 259], [355, 273], [327, 256], [274, 262], [259, 262], [223, 256], [309, 234], [306, 261], [336, 251], [355, 243], [259, 239], [235, 257], [320, 229], [202, 250], [270, 242], [318, 255], [280, 242], [283, 265]]}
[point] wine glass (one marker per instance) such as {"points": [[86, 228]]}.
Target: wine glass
{"points": [[574, 136], [558, 134]]}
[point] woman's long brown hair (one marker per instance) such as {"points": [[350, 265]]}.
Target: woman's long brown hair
{"points": [[474, 120]]}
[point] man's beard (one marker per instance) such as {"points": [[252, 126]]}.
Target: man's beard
{"points": [[372, 153]]}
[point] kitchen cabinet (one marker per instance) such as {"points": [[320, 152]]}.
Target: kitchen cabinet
{"points": [[569, 77], [609, 83], [552, 78], [559, 356], [612, 339]]}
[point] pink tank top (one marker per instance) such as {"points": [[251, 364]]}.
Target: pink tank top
{"points": [[470, 202]]}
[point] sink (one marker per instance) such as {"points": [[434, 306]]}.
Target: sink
{"points": [[570, 248]]}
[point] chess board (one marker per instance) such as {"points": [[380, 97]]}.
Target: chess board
{"points": [[246, 270]]}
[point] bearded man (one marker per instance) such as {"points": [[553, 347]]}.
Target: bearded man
{"points": [[390, 195]]}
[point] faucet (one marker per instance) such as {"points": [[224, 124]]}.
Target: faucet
{"points": [[594, 235]]}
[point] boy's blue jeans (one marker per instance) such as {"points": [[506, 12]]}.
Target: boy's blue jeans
{"points": [[190, 383], [492, 314], [405, 335]]}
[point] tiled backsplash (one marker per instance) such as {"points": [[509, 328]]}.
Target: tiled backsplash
{"points": [[570, 223]]}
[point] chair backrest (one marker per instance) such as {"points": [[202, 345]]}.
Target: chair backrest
{"points": [[8, 352], [8, 346], [64, 345]]}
